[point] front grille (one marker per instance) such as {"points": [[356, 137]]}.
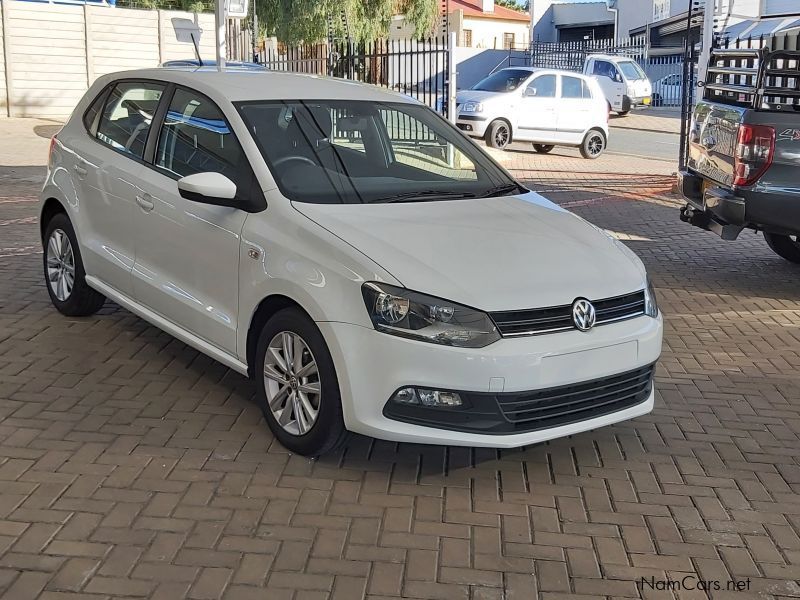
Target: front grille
{"points": [[559, 318], [577, 402]]}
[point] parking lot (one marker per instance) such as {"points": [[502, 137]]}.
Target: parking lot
{"points": [[133, 466]]}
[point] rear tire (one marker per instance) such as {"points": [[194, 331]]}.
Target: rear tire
{"points": [[543, 148], [64, 274], [785, 246], [300, 396], [498, 134], [594, 144]]}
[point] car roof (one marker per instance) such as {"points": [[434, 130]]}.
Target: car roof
{"points": [[611, 57], [241, 85], [542, 70]]}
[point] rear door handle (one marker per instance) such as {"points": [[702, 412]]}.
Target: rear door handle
{"points": [[80, 171], [145, 202]]}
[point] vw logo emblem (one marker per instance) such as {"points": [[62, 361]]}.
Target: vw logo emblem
{"points": [[583, 314]]}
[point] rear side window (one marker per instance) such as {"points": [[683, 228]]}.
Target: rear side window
{"points": [[127, 116], [572, 87], [196, 138]]}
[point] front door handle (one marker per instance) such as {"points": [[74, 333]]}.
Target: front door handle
{"points": [[80, 171], [145, 202]]}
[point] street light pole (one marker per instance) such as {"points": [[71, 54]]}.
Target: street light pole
{"points": [[219, 24]]}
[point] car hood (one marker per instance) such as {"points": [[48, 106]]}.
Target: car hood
{"points": [[475, 96], [504, 253]]}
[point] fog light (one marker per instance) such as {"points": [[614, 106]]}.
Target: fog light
{"points": [[430, 398]]}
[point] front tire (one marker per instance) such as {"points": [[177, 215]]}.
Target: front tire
{"points": [[498, 134], [785, 246], [594, 144], [64, 274], [623, 113], [543, 148], [297, 384]]}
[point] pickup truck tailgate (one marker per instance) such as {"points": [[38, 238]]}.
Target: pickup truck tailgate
{"points": [[712, 141]]}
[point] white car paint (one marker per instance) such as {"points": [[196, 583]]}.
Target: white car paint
{"points": [[554, 119], [623, 82], [200, 271]]}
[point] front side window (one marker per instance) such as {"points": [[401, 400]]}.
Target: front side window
{"points": [[350, 151], [543, 86], [605, 69], [196, 138], [127, 116], [506, 80]]}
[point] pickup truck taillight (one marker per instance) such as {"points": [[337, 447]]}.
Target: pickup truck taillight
{"points": [[755, 149]]}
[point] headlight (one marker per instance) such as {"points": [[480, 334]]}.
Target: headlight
{"points": [[650, 302], [472, 107], [410, 314]]}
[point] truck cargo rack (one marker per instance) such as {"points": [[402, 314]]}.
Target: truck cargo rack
{"points": [[754, 78]]}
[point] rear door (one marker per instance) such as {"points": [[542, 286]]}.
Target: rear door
{"points": [[574, 114], [107, 163], [712, 141]]}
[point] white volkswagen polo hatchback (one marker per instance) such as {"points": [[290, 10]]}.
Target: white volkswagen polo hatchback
{"points": [[368, 265]]}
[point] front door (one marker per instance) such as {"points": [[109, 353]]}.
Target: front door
{"points": [[537, 112], [187, 253]]}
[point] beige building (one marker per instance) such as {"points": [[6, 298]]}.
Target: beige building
{"points": [[478, 24], [482, 24]]}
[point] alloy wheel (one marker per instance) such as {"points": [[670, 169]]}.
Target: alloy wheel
{"points": [[501, 136], [595, 144], [60, 265], [291, 381]]}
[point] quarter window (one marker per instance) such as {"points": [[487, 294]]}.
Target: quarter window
{"points": [[127, 116], [196, 138]]}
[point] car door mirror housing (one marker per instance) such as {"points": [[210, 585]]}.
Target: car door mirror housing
{"points": [[208, 188], [530, 92]]}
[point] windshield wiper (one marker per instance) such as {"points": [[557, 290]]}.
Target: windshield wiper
{"points": [[422, 196], [503, 190]]}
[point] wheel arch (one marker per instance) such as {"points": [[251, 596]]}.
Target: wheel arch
{"points": [[50, 208], [265, 309]]}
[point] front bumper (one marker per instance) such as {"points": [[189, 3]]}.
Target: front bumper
{"points": [[371, 366], [472, 124]]}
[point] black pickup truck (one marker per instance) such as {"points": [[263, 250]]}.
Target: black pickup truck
{"points": [[743, 161]]}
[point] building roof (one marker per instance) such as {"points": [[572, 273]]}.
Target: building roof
{"points": [[473, 8]]}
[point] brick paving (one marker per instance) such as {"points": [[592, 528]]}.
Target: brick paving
{"points": [[133, 467]]}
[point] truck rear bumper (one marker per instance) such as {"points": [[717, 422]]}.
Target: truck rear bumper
{"points": [[726, 212]]}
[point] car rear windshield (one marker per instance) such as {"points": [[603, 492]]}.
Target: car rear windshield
{"points": [[346, 152], [506, 80], [632, 70]]}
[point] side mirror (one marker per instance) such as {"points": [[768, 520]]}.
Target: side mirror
{"points": [[208, 188], [530, 92]]}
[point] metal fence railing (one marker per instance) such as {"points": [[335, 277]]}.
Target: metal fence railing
{"points": [[417, 68]]}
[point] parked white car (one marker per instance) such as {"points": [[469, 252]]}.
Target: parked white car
{"points": [[371, 268], [547, 107], [622, 80]]}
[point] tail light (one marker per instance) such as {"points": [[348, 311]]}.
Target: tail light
{"points": [[755, 149]]}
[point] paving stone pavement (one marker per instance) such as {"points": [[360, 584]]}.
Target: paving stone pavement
{"points": [[133, 467]]}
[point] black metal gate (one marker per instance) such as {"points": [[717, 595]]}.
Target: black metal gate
{"points": [[417, 68]]}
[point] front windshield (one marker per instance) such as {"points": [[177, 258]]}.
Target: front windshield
{"points": [[506, 80], [348, 152], [632, 70]]}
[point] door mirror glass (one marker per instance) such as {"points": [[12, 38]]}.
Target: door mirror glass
{"points": [[208, 188]]}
